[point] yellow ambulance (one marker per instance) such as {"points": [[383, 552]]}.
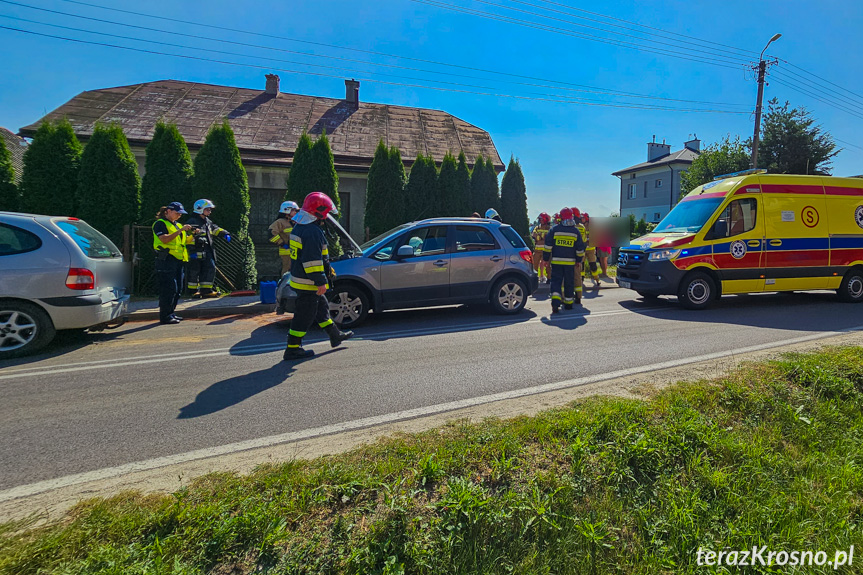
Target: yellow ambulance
{"points": [[753, 232]]}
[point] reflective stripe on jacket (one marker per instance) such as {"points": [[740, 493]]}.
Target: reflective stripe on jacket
{"points": [[563, 245], [177, 246], [310, 260]]}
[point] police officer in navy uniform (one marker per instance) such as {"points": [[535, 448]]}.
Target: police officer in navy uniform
{"points": [[564, 248], [310, 275], [169, 241], [201, 269]]}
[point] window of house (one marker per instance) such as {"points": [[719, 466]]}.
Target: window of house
{"points": [[632, 176], [633, 190], [645, 188], [658, 183], [656, 216]]}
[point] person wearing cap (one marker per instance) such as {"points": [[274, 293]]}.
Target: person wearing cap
{"points": [[201, 269], [169, 241], [280, 232]]}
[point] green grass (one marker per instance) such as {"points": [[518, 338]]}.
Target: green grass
{"points": [[768, 456]]}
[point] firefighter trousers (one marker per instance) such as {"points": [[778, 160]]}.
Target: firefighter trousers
{"points": [[311, 308], [201, 272], [562, 288]]}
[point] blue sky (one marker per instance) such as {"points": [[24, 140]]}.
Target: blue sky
{"points": [[567, 150]]}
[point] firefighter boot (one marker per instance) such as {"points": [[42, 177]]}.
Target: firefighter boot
{"points": [[337, 336], [295, 349]]}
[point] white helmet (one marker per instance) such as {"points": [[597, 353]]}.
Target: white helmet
{"points": [[491, 214], [201, 205], [286, 207]]}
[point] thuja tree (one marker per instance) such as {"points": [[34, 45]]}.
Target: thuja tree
{"points": [[421, 190], [51, 164], [300, 178], [462, 180], [109, 187], [449, 201], [513, 201], [221, 178], [9, 198], [168, 171], [484, 187], [385, 191]]}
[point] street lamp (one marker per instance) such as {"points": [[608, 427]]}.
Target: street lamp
{"points": [[762, 68]]}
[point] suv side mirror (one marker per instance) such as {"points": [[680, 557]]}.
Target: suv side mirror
{"points": [[405, 252]]}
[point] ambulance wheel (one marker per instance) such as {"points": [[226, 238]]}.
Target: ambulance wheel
{"points": [[851, 288], [696, 291]]}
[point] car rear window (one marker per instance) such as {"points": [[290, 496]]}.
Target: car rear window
{"points": [[91, 241], [512, 237], [473, 238], [17, 241]]}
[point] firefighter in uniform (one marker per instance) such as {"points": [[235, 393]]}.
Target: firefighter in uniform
{"points": [[201, 269], [565, 251], [280, 233], [539, 234], [590, 251], [310, 273]]}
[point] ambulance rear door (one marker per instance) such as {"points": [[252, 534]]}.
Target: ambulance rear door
{"points": [[798, 243]]}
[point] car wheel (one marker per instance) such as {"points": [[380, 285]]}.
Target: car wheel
{"points": [[509, 295], [24, 329], [851, 288], [648, 296], [696, 291], [349, 306]]}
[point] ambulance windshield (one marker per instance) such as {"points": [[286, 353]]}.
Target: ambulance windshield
{"points": [[688, 216]]}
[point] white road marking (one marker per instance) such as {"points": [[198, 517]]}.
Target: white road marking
{"points": [[273, 347], [155, 463]]}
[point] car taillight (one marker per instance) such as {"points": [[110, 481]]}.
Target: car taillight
{"points": [[526, 255], [80, 278]]}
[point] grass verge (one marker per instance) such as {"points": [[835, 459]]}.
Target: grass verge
{"points": [[770, 456]]}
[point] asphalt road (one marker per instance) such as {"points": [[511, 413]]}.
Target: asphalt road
{"points": [[147, 391]]}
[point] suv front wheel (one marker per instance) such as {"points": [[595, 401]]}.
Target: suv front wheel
{"points": [[349, 306], [509, 295]]}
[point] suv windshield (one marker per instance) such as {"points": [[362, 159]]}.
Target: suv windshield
{"points": [[92, 242], [688, 216], [384, 235]]}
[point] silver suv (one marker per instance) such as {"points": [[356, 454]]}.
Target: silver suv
{"points": [[55, 273], [438, 261]]}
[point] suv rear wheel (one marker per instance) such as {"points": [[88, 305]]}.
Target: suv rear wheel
{"points": [[349, 306], [24, 329], [509, 295]]}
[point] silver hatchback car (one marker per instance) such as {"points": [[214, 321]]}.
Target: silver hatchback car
{"points": [[55, 273], [438, 261]]}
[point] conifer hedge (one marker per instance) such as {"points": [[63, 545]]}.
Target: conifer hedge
{"points": [[513, 201], [168, 172], [421, 199], [385, 191], [51, 162], [9, 199]]}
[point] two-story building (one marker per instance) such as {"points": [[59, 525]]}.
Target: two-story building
{"points": [[649, 190]]}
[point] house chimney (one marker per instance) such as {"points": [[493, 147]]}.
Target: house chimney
{"points": [[272, 85], [655, 150], [352, 92], [694, 144]]}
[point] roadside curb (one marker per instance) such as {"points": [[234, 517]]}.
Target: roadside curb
{"points": [[201, 312]]}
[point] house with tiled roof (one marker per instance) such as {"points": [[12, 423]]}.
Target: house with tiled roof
{"points": [[268, 124], [16, 147], [650, 189]]}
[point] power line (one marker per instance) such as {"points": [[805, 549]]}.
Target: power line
{"points": [[793, 76], [848, 144], [805, 92], [822, 79], [750, 53], [370, 80], [677, 46], [588, 89], [564, 32]]}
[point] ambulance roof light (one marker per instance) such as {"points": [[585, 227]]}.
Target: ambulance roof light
{"points": [[742, 173]]}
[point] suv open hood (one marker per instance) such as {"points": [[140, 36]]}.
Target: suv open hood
{"points": [[334, 223]]}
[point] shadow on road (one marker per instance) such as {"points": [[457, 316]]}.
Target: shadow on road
{"points": [[804, 311], [67, 341]]}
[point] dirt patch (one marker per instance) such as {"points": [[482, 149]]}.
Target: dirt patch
{"points": [[51, 505]]}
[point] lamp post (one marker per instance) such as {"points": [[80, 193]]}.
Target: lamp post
{"points": [[762, 68]]}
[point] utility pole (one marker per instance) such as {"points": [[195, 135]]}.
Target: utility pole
{"points": [[762, 69]]}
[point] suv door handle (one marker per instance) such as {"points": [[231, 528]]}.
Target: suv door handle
{"points": [[495, 258], [440, 263]]}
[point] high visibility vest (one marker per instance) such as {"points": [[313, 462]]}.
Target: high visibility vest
{"points": [[177, 246]]}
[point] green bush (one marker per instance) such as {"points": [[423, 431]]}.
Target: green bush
{"points": [[421, 193], [385, 191], [51, 162], [9, 195], [168, 172], [513, 201]]}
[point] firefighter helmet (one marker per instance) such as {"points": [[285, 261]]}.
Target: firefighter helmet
{"points": [[201, 205], [319, 205], [585, 217], [544, 219], [286, 207], [491, 214], [566, 214], [575, 213]]}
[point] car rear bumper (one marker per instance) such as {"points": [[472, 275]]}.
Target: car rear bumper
{"points": [[81, 312]]}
